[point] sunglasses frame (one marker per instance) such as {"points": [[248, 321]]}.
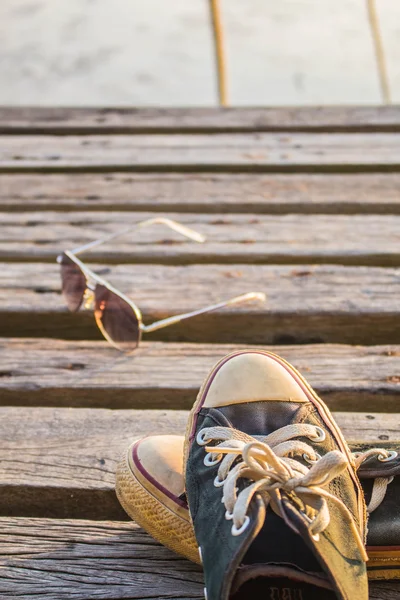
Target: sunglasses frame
{"points": [[92, 279]]}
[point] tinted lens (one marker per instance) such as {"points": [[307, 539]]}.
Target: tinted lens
{"points": [[117, 319], [73, 283]]}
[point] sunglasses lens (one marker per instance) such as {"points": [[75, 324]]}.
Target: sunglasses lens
{"points": [[73, 283], [116, 319]]}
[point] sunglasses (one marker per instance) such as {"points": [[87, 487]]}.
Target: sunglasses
{"points": [[117, 316]]}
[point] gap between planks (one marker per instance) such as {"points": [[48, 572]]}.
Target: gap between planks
{"points": [[61, 462], [57, 373], [305, 304]]}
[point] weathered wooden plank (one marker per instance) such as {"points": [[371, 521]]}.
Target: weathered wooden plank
{"points": [[64, 463], [153, 120], [59, 560], [59, 373], [61, 462], [255, 239], [201, 152], [305, 304], [197, 192]]}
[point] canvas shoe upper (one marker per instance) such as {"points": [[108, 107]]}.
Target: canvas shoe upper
{"points": [[275, 501]]}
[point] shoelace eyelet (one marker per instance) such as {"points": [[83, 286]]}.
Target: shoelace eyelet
{"points": [[244, 526], [392, 454], [321, 435], [209, 462], [200, 438], [310, 460], [218, 482]]}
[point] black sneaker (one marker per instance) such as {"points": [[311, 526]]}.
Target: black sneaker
{"points": [[277, 508]]}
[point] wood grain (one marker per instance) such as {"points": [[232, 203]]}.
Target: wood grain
{"points": [[201, 152], [305, 304], [61, 434], [254, 239], [197, 192], [59, 560], [60, 462], [151, 120], [88, 374]]}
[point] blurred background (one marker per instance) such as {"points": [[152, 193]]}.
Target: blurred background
{"points": [[158, 52]]}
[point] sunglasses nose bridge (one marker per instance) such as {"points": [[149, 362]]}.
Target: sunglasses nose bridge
{"points": [[88, 298]]}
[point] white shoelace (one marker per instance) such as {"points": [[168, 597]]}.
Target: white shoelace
{"points": [[380, 484], [267, 462]]}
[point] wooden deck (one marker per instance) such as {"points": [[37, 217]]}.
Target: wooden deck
{"points": [[302, 204]]}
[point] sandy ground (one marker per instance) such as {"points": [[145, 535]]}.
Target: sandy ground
{"points": [[159, 52]]}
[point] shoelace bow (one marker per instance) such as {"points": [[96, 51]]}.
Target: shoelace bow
{"points": [[267, 461], [379, 487]]}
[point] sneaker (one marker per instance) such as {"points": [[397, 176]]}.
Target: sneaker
{"points": [[378, 470], [148, 484], [277, 508]]}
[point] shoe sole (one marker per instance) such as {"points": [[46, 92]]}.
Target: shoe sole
{"points": [[384, 562]]}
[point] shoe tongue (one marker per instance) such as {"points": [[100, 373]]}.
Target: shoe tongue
{"points": [[279, 559], [288, 548], [279, 585], [264, 416]]}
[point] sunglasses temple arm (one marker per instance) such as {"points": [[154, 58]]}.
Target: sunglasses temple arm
{"points": [[177, 318], [174, 225]]}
